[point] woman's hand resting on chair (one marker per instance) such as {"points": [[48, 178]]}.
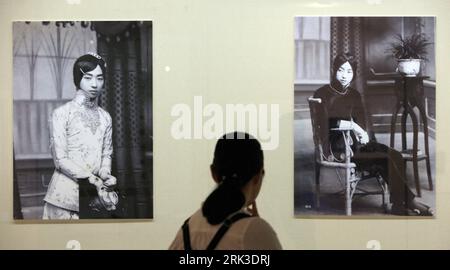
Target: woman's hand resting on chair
{"points": [[360, 133]]}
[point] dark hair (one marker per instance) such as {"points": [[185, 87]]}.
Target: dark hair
{"points": [[86, 63], [340, 60], [237, 159]]}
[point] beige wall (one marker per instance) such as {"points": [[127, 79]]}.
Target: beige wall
{"points": [[229, 52]]}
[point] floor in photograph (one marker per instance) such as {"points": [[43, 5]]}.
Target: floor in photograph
{"points": [[304, 196]]}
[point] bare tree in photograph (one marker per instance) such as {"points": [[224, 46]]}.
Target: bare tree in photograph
{"points": [[59, 47], [32, 42]]}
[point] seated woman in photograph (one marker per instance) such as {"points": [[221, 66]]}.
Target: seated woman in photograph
{"points": [[228, 219], [342, 107]]}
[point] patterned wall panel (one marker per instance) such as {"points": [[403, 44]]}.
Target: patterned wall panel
{"points": [[124, 100]]}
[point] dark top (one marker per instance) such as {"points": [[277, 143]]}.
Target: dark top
{"points": [[337, 104]]}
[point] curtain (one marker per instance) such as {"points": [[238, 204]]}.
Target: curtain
{"points": [[126, 48]]}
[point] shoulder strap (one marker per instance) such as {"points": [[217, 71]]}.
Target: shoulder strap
{"points": [[224, 228], [186, 236]]}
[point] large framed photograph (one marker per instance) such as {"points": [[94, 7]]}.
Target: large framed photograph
{"points": [[365, 116], [83, 129]]}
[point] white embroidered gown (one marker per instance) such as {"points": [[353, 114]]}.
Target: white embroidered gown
{"points": [[81, 144]]}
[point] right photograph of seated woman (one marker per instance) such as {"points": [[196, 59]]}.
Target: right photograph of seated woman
{"points": [[341, 108]]}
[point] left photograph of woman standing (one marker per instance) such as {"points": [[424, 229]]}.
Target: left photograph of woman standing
{"points": [[83, 120]]}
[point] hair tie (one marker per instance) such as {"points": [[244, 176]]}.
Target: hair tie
{"points": [[230, 179]]}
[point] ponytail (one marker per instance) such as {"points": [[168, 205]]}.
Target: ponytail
{"points": [[237, 159], [226, 199]]}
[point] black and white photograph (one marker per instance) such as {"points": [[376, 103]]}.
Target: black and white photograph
{"points": [[83, 128], [364, 116]]}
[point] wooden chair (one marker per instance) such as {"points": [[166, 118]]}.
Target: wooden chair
{"points": [[353, 176]]}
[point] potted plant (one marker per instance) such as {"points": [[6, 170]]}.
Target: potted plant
{"points": [[409, 52]]}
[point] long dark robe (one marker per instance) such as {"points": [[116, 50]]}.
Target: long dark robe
{"points": [[346, 104]]}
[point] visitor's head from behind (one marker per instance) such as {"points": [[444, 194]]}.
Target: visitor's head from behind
{"points": [[89, 74], [238, 169]]}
